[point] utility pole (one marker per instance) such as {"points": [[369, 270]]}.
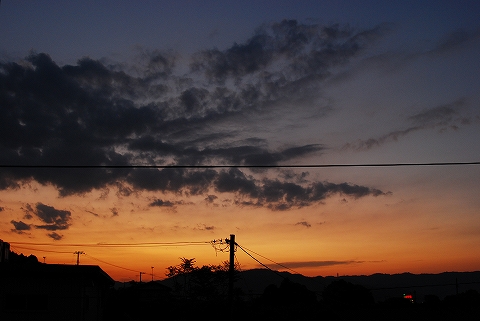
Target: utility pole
{"points": [[231, 269], [78, 256], [141, 276], [152, 273]]}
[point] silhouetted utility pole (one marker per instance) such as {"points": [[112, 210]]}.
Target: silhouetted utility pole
{"points": [[141, 276], [78, 255], [152, 273], [231, 268]]}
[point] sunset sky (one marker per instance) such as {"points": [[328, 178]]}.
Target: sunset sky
{"points": [[244, 85]]}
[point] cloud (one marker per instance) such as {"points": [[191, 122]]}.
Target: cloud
{"points": [[304, 223], [161, 203], [285, 195], [456, 39], [175, 180], [442, 116], [55, 236], [119, 97], [304, 50], [439, 115], [235, 181], [273, 194], [20, 226], [98, 113], [28, 210], [309, 264], [54, 219], [211, 198], [155, 64], [93, 213], [204, 227]]}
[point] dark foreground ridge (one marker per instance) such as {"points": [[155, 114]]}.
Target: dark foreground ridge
{"points": [[265, 295], [36, 291]]}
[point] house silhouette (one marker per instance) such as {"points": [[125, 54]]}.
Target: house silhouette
{"points": [[37, 291]]}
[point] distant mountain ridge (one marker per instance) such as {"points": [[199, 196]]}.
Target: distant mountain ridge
{"points": [[383, 286]]}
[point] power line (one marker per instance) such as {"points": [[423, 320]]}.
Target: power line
{"points": [[259, 261], [39, 250], [117, 266], [144, 244], [254, 258], [286, 267], [242, 166]]}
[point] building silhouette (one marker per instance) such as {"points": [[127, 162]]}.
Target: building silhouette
{"points": [[36, 291]]}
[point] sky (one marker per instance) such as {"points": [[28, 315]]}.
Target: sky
{"points": [[186, 122]]}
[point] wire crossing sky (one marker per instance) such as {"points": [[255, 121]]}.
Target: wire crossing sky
{"points": [[246, 166], [336, 137]]}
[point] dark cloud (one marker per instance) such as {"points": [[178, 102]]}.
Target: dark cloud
{"points": [[55, 236], [173, 180], [211, 198], [161, 203], [235, 181], [8, 181], [253, 154], [304, 50], [29, 211], [64, 115], [54, 219], [89, 114], [20, 226], [274, 194], [123, 189], [93, 106], [51, 227], [93, 213], [236, 61], [98, 113], [285, 195]]}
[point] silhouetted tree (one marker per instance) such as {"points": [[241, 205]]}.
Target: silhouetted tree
{"points": [[22, 259], [204, 282], [182, 269]]}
